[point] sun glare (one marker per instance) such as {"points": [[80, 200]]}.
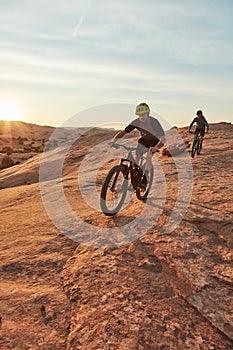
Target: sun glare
{"points": [[10, 111]]}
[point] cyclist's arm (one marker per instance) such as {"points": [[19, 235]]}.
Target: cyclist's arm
{"points": [[122, 133], [206, 124], [119, 135], [159, 144], [190, 126], [158, 132]]}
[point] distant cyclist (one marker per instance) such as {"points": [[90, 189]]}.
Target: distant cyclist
{"points": [[201, 125], [152, 134]]}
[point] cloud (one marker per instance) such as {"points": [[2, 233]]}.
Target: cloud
{"points": [[177, 51]]}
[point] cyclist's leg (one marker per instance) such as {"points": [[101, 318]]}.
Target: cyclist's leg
{"points": [[149, 156], [195, 142], [198, 132], [148, 161], [141, 148], [137, 158], [151, 143], [202, 134]]}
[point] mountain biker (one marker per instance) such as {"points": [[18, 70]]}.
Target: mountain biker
{"points": [[152, 135], [201, 124]]}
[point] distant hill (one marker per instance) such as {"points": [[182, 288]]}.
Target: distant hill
{"points": [[22, 140], [29, 130]]}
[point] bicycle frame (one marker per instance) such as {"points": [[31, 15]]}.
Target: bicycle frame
{"points": [[131, 167], [196, 145], [196, 140], [116, 184]]}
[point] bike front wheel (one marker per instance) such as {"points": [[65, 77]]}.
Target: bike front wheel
{"points": [[199, 147], [142, 192], [194, 148], [114, 190]]}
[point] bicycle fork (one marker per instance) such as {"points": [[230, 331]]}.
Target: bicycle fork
{"points": [[113, 187]]}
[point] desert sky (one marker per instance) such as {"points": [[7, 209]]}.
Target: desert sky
{"points": [[60, 58]]}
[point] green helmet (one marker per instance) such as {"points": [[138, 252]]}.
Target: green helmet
{"points": [[142, 108]]}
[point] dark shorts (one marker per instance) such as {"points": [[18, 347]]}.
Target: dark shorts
{"points": [[144, 145], [200, 131]]}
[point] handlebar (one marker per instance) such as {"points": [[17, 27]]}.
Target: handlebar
{"points": [[192, 132], [117, 146]]}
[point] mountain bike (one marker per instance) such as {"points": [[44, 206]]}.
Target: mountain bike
{"points": [[196, 147], [116, 184]]}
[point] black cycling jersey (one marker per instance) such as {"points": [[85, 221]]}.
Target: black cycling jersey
{"points": [[201, 123], [150, 130]]}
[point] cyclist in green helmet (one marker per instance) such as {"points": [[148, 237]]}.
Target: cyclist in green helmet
{"points": [[151, 132]]}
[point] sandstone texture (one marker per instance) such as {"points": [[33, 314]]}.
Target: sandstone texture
{"points": [[161, 290]]}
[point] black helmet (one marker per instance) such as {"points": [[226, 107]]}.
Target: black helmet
{"points": [[199, 112]]}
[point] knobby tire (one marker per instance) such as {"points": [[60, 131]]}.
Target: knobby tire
{"points": [[114, 173], [142, 195]]}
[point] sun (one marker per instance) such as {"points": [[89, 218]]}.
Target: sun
{"points": [[10, 111]]}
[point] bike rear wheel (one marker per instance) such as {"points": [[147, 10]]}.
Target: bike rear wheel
{"points": [[114, 190], [142, 193]]}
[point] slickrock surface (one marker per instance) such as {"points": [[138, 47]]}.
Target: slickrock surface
{"points": [[34, 310], [161, 291]]}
